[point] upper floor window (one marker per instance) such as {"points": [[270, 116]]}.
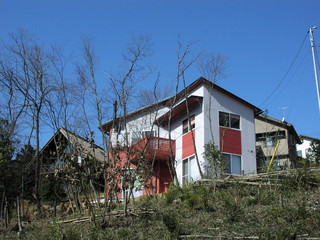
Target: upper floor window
{"points": [[229, 120], [136, 136], [270, 141], [186, 127]]}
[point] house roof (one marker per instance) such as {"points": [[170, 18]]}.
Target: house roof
{"points": [[309, 138], [171, 101], [73, 138], [279, 123], [180, 109]]}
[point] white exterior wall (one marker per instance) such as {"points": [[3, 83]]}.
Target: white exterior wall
{"points": [[141, 122], [221, 102], [199, 140], [304, 147]]}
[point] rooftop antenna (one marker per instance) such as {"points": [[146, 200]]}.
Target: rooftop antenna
{"points": [[284, 113], [314, 56]]}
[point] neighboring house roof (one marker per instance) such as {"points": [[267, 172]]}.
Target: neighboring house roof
{"points": [[171, 101], [73, 138], [279, 123], [309, 138]]}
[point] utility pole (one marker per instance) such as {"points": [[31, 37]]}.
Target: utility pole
{"points": [[314, 56]]}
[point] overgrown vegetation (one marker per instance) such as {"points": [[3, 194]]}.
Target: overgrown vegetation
{"points": [[274, 206]]}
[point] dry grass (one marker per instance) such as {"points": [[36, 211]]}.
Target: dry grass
{"points": [[288, 207]]}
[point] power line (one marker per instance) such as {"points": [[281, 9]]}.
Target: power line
{"points": [[292, 63]]}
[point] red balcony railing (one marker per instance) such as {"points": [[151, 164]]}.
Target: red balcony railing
{"points": [[153, 147]]}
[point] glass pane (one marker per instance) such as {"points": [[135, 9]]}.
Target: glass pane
{"points": [[236, 165], [185, 126], [223, 119], [136, 136], [269, 141], [192, 122], [193, 169], [235, 121], [227, 163], [299, 153], [185, 167]]}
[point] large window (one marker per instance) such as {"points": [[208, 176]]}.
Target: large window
{"points": [[232, 164], [189, 170], [186, 127], [229, 120]]}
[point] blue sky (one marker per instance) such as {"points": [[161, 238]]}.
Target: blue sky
{"points": [[259, 38]]}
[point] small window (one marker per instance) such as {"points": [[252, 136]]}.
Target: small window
{"points": [[186, 127], [229, 120], [270, 141], [299, 153], [149, 134], [308, 152]]}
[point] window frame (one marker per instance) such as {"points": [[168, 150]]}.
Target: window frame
{"points": [[188, 124], [226, 120]]}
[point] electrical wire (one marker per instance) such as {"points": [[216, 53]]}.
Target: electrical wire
{"points": [[287, 72], [294, 73]]}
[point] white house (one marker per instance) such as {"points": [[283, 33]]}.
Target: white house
{"points": [[200, 113], [304, 149]]}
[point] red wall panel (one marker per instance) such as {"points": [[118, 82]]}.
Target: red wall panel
{"points": [[230, 141], [187, 144]]}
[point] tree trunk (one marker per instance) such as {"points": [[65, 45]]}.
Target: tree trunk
{"points": [[37, 173]]}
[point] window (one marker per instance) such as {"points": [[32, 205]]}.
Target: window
{"points": [[235, 121], [185, 124], [130, 178], [149, 134], [299, 153], [270, 141], [232, 164], [308, 152], [229, 120], [270, 138], [136, 136], [189, 170], [69, 149], [224, 119]]}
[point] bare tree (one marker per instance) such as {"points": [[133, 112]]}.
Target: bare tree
{"points": [[32, 79], [124, 86], [183, 65], [212, 67]]}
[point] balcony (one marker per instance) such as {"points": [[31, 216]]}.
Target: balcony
{"points": [[153, 148]]}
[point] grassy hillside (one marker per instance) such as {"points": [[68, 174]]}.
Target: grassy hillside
{"points": [[278, 206]]}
